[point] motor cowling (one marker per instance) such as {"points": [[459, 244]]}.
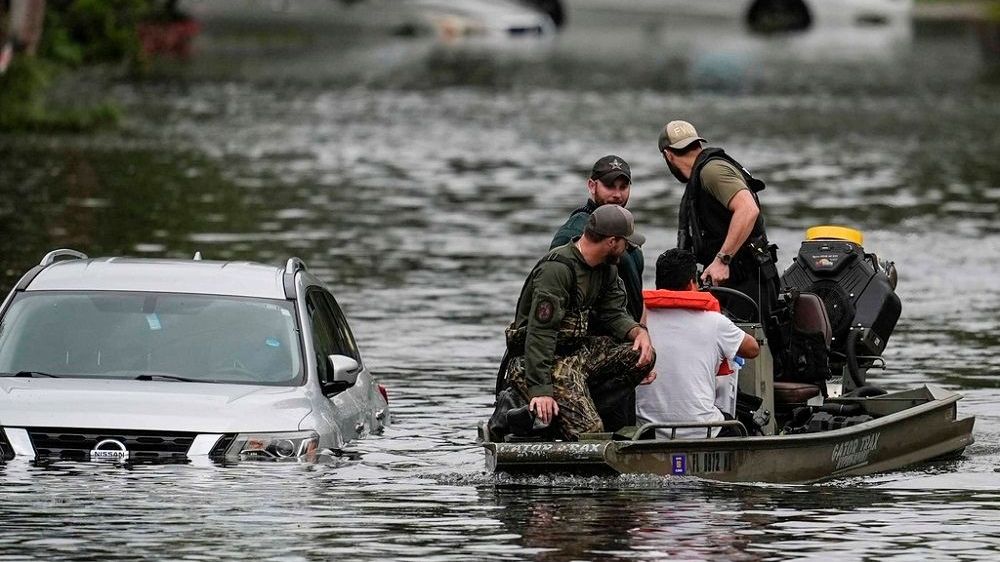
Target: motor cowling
{"points": [[857, 290]]}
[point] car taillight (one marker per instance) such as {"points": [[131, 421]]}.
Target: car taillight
{"points": [[384, 393]]}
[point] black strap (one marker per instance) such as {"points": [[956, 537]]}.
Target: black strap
{"points": [[550, 257], [502, 372]]}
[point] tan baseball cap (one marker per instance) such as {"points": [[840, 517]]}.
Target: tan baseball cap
{"points": [[678, 135], [614, 220]]}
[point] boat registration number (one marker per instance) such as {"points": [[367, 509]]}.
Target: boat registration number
{"points": [[715, 461]]}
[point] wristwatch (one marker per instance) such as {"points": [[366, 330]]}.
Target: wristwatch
{"points": [[724, 258]]}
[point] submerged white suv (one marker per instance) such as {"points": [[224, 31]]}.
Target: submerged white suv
{"points": [[157, 360]]}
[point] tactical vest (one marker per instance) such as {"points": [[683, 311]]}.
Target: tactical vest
{"points": [[575, 325], [704, 221]]}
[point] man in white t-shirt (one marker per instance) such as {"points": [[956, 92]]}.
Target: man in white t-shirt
{"points": [[692, 339]]}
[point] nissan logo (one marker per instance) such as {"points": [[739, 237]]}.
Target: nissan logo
{"points": [[109, 450]]}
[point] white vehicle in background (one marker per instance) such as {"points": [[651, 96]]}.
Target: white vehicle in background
{"points": [[166, 361], [761, 15], [726, 44], [448, 19], [495, 19]]}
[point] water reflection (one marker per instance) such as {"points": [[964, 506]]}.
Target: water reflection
{"points": [[690, 520], [108, 202], [675, 521]]}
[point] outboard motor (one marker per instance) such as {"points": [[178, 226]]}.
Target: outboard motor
{"points": [[857, 290]]}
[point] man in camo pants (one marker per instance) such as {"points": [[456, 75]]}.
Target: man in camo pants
{"points": [[555, 358]]}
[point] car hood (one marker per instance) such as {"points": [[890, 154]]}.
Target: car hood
{"points": [[153, 405]]}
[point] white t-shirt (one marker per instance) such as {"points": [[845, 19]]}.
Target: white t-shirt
{"points": [[690, 345]]}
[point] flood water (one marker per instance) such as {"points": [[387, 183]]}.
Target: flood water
{"points": [[422, 179]]}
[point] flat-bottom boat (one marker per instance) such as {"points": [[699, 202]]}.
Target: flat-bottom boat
{"points": [[824, 422], [908, 427]]}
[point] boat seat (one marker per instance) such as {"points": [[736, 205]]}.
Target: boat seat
{"points": [[810, 316], [794, 392], [806, 356]]}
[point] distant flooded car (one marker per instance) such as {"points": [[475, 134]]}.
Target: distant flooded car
{"points": [[448, 19], [158, 360], [494, 19], [763, 15]]}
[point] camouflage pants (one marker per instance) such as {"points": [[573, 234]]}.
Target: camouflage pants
{"points": [[600, 361]]}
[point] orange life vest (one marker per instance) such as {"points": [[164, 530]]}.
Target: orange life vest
{"points": [[690, 300]]}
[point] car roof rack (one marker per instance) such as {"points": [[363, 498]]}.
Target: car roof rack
{"points": [[292, 266], [49, 259], [54, 255]]}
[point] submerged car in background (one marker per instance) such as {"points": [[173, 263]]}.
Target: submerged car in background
{"points": [[165, 361], [761, 15], [449, 20]]}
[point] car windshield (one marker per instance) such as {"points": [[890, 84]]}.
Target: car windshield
{"points": [[157, 336]]}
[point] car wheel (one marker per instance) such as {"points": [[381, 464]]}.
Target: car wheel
{"points": [[552, 8], [776, 16]]}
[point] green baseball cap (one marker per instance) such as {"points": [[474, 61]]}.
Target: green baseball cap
{"points": [[615, 220]]}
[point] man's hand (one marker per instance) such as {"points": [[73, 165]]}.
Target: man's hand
{"points": [[717, 272], [645, 347], [545, 407], [649, 378]]}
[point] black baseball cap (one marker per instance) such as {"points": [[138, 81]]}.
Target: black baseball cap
{"points": [[609, 169]]}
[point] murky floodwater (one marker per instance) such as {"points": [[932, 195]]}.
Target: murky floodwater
{"points": [[422, 180]]}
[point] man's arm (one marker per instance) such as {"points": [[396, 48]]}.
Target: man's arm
{"points": [[549, 298], [745, 212], [548, 307], [611, 307], [613, 314], [641, 343], [749, 347], [733, 341]]}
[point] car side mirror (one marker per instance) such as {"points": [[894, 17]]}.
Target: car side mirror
{"points": [[345, 369]]}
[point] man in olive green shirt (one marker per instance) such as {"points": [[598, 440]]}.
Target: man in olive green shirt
{"points": [[554, 356], [720, 216]]}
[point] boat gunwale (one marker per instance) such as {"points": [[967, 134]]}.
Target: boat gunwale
{"points": [[935, 406], [937, 398], [800, 439]]}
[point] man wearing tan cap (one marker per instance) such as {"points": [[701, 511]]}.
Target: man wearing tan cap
{"points": [[720, 217], [555, 358]]}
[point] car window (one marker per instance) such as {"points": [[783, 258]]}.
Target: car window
{"points": [[124, 335], [324, 333], [344, 338]]}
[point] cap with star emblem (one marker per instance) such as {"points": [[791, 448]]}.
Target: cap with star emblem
{"points": [[609, 169]]}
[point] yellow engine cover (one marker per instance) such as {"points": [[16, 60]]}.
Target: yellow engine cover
{"points": [[830, 232]]}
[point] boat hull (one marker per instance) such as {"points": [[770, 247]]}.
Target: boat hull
{"points": [[913, 426]]}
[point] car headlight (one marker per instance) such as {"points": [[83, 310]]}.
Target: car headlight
{"points": [[274, 446]]}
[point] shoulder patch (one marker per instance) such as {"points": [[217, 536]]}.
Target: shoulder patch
{"points": [[544, 311]]}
